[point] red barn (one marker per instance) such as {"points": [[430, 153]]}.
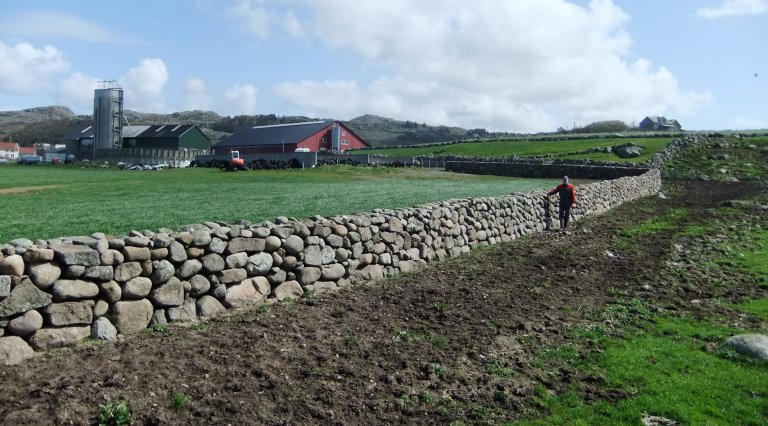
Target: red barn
{"points": [[312, 136]]}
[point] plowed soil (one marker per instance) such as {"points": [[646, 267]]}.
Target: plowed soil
{"points": [[454, 342]]}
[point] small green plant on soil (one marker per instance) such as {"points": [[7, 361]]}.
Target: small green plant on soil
{"points": [[179, 401], [158, 328], [115, 413], [438, 306], [439, 341], [498, 368]]}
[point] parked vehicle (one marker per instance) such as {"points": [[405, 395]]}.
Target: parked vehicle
{"points": [[30, 159]]}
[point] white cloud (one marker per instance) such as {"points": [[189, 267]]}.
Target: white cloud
{"points": [[734, 7], [240, 99], [196, 94], [262, 19], [143, 86], [527, 65], [76, 91], [24, 69], [52, 24]]}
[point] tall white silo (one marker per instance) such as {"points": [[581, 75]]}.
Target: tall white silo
{"points": [[107, 116]]}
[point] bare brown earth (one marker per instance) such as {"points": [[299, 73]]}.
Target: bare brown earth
{"points": [[457, 342], [25, 189]]}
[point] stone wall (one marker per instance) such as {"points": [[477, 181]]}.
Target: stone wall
{"points": [[57, 292]]}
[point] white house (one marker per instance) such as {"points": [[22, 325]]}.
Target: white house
{"points": [[9, 150]]}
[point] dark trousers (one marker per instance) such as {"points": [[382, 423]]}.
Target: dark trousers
{"points": [[564, 214]]}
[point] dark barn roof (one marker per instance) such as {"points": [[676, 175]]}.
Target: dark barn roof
{"points": [[165, 131], [273, 135], [84, 131]]}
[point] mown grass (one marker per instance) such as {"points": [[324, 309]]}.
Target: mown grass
{"points": [[507, 148], [51, 201], [669, 366]]}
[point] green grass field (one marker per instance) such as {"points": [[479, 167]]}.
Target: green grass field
{"points": [[48, 201], [507, 148]]}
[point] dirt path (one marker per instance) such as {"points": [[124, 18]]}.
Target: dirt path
{"points": [[454, 342]]}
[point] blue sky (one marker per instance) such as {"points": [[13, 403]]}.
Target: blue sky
{"points": [[519, 66]]}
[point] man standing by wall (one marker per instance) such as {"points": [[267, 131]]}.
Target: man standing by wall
{"points": [[567, 199]]}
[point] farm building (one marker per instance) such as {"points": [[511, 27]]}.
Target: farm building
{"points": [[312, 136], [9, 150], [653, 122], [167, 136]]}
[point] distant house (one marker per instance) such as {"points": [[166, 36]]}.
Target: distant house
{"points": [[27, 150], [312, 136], [9, 150], [653, 122]]}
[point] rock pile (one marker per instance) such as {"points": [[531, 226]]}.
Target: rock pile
{"points": [[57, 292]]}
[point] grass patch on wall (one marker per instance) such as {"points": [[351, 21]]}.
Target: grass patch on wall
{"points": [[50, 201]]}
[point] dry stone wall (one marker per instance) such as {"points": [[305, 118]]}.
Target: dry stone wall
{"points": [[57, 292]]}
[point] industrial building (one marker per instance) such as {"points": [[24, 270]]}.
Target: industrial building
{"points": [[312, 136]]}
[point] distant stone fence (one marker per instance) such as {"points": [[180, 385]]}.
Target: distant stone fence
{"points": [[57, 292]]}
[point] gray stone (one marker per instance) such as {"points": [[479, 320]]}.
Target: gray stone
{"points": [[126, 271], [370, 273], [262, 285], [219, 291], [195, 252], [186, 312], [133, 254], [282, 232], [628, 151], [241, 244], [162, 240], [22, 243], [137, 241], [116, 244], [5, 285], [110, 291], [14, 350], [176, 252], [271, 243], [341, 255], [201, 238], [217, 245], [276, 276], [261, 232], [99, 273], [73, 271], [137, 288], [51, 338], [308, 275], [293, 244], [170, 294], [69, 313], [159, 317], [26, 324], [259, 264], [100, 308], [199, 285], [43, 275], [24, 297], [189, 268], [334, 241], [212, 262], [208, 306], [132, 317], [12, 265], [333, 272], [71, 254], [288, 289], [242, 294], [751, 345], [103, 330], [112, 257], [74, 290], [159, 253], [327, 255], [231, 276], [313, 256], [162, 271], [289, 262], [37, 255], [325, 286], [237, 260]]}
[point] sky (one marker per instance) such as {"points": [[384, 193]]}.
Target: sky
{"points": [[502, 65]]}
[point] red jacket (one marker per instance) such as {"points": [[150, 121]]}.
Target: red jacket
{"points": [[566, 192]]}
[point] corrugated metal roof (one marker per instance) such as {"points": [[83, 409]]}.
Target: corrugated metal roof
{"points": [[133, 131], [273, 135], [83, 131]]}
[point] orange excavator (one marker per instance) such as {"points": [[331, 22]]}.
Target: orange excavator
{"points": [[235, 162]]}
